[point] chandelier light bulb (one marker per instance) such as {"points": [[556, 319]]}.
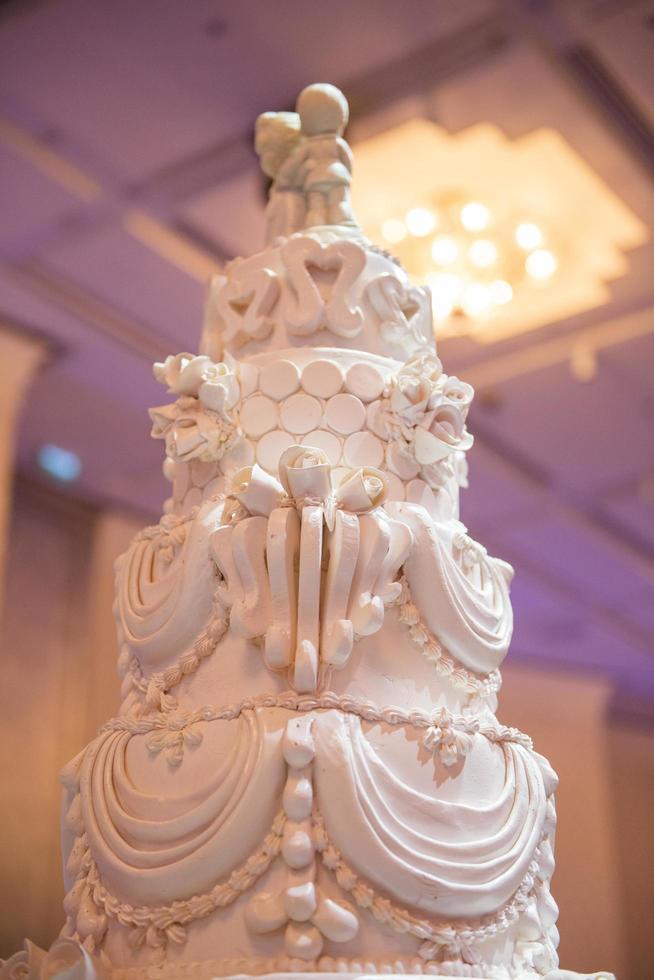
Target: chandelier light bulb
{"points": [[501, 292], [420, 221], [476, 300], [445, 250], [482, 253], [393, 231], [474, 216], [446, 289], [528, 236], [541, 264]]}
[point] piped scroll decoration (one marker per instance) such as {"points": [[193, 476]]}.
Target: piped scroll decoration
{"points": [[320, 278], [244, 308], [404, 312], [306, 564]]}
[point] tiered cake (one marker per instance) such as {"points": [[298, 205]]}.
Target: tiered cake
{"points": [[306, 772]]}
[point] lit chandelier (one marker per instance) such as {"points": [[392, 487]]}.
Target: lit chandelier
{"points": [[474, 258], [510, 234]]}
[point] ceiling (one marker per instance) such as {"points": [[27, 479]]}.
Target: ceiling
{"points": [[127, 175]]}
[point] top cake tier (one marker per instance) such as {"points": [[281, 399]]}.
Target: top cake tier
{"points": [[319, 283], [321, 288]]}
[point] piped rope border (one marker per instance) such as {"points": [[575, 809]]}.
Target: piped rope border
{"points": [[449, 734], [433, 650], [454, 940], [155, 689], [158, 924]]}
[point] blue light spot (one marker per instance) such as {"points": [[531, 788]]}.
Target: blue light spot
{"points": [[62, 464]]}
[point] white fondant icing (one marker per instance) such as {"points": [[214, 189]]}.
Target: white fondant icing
{"points": [[376, 817]]}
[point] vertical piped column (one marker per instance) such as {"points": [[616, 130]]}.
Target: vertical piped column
{"points": [[302, 938], [308, 916]]}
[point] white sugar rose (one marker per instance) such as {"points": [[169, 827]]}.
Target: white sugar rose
{"points": [[259, 492], [424, 366], [220, 391], [214, 383], [458, 393], [414, 388], [183, 373], [305, 473], [362, 490], [191, 433], [445, 434]]}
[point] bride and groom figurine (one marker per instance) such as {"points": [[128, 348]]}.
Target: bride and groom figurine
{"points": [[309, 162]]}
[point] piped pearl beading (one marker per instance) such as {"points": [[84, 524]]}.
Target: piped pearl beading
{"points": [[308, 917]]}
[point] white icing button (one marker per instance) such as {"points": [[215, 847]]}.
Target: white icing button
{"points": [[279, 380], [395, 486], [297, 744], [297, 799], [270, 447], [363, 449], [258, 415], [327, 442], [364, 381], [401, 462], [302, 940], [247, 379], [297, 848], [300, 901], [345, 413], [301, 413], [322, 378]]}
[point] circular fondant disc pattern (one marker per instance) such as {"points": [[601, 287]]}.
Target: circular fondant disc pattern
{"points": [[322, 378], [271, 447], [259, 414], [365, 381], [279, 380], [363, 449], [345, 414], [301, 413]]}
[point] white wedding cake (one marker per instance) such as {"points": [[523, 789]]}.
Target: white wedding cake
{"points": [[306, 772]]}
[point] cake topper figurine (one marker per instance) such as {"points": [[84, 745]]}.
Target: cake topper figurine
{"points": [[309, 162]]}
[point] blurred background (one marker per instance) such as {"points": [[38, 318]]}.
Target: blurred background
{"points": [[504, 151]]}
